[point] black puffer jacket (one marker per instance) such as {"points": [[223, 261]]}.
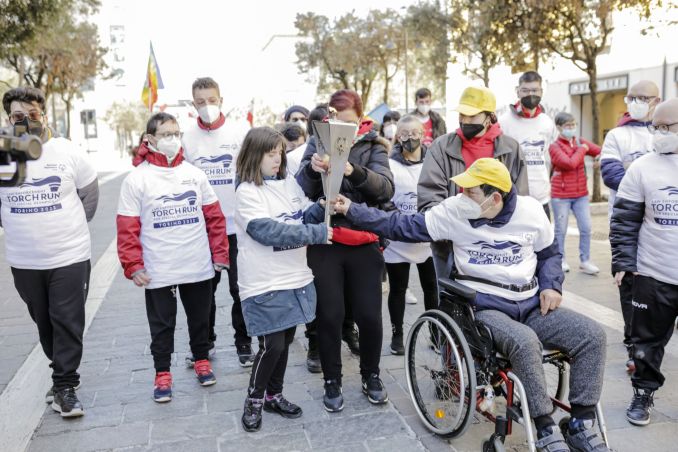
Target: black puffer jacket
{"points": [[627, 218], [371, 181]]}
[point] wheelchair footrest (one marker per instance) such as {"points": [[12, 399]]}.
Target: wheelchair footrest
{"points": [[501, 426]]}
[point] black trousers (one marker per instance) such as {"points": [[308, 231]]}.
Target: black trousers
{"points": [[161, 309], [547, 210], [55, 300], [655, 308], [237, 319], [352, 274], [626, 298], [398, 279], [270, 363]]}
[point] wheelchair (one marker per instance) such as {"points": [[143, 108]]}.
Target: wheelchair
{"points": [[454, 370]]}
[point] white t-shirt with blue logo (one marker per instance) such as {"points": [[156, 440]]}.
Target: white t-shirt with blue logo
{"points": [[653, 180], [505, 254], [216, 152], [405, 178], [264, 268], [43, 218], [174, 238]]}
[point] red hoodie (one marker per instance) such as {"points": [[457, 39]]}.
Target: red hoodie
{"points": [[479, 147]]}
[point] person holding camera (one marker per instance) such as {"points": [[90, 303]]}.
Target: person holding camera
{"points": [[48, 244]]}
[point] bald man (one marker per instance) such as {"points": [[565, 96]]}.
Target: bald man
{"points": [[644, 235], [622, 146]]}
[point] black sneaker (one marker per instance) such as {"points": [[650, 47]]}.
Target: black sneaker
{"points": [[282, 406], [582, 436], [374, 389], [251, 414], [551, 440], [245, 355], [66, 402], [638, 412], [313, 360], [49, 396], [350, 336], [333, 398], [397, 347]]}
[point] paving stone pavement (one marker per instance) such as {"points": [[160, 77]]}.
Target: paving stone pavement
{"points": [[117, 379]]}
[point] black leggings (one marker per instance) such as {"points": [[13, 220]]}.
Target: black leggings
{"points": [[398, 278], [351, 273], [268, 370]]}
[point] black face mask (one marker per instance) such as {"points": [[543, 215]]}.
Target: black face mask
{"points": [[411, 145], [471, 130], [530, 102], [28, 126]]}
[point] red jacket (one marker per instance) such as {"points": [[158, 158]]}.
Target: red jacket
{"points": [[568, 179]]}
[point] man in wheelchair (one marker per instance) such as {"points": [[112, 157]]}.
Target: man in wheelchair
{"points": [[504, 249]]}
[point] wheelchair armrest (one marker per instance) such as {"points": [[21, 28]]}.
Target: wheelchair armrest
{"points": [[455, 288]]}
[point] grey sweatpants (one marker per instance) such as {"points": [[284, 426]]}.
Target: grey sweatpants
{"points": [[580, 337]]}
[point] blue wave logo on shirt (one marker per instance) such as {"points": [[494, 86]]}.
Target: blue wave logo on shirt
{"points": [[294, 216], [495, 253], [635, 155], [53, 182], [410, 195], [225, 160], [670, 190], [534, 143], [190, 195]]}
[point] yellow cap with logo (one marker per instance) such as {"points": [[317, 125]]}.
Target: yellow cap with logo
{"points": [[476, 99], [485, 171]]}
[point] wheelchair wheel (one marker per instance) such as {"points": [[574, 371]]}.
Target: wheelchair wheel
{"points": [[440, 374], [492, 444]]}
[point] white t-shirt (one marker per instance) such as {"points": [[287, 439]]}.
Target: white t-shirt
{"points": [[535, 136], [505, 254], [174, 238], [653, 180], [216, 152], [263, 268], [405, 178], [43, 218], [294, 159]]}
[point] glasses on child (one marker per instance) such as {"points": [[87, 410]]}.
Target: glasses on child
{"points": [[19, 116], [168, 135], [404, 136], [662, 129]]}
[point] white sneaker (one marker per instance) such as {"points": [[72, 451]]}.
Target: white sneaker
{"points": [[566, 267], [410, 298], [589, 268]]}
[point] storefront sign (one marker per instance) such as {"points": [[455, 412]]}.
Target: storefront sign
{"points": [[616, 83]]}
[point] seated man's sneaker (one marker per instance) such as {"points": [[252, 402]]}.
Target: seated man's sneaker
{"points": [[551, 440], [583, 436], [245, 355], [66, 402], [374, 389], [589, 268], [333, 399], [638, 412], [203, 371], [162, 387], [282, 406], [251, 415]]}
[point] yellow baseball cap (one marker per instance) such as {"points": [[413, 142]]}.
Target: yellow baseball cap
{"points": [[485, 171], [475, 99]]}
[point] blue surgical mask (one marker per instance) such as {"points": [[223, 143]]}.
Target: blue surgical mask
{"points": [[569, 133]]}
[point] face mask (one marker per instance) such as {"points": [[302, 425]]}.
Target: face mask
{"points": [[423, 108], [530, 102], [638, 110], [209, 113], [665, 144], [411, 145], [169, 147], [471, 130], [390, 130], [569, 133], [467, 208]]}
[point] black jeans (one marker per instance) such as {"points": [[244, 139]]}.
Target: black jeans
{"points": [[55, 300], [655, 308], [268, 369], [626, 298], [352, 274], [161, 309], [398, 279], [237, 319]]}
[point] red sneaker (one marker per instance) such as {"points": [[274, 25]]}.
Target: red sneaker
{"points": [[162, 389], [203, 370]]}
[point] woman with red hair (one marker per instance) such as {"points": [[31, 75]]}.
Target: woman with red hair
{"points": [[351, 267]]}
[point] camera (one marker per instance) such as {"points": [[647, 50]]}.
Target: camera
{"points": [[17, 145]]}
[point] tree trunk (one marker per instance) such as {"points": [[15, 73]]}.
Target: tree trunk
{"points": [[68, 118], [386, 84], [486, 76], [592, 72]]}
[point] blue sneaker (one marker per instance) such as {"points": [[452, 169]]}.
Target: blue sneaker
{"points": [[583, 436], [203, 370], [162, 389]]}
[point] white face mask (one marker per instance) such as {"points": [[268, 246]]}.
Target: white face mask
{"points": [[209, 113], [665, 144], [466, 208], [390, 130], [169, 147], [424, 108], [638, 110]]}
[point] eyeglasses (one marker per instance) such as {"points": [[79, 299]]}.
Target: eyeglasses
{"points": [[530, 92], [19, 116], [662, 129], [638, 99], [404, 136], [168, 135]]}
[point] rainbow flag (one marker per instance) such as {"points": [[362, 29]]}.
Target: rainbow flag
{"points": [[149, 95]]}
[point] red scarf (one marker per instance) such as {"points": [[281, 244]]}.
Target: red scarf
{"points": [[525, 113], [215, 125], [479, 147], [155, 158]]}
